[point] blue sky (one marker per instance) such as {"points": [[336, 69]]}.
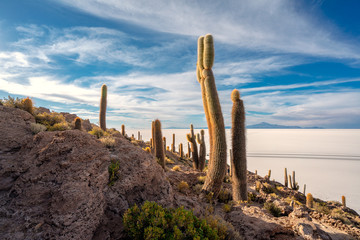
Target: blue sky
{"points": [[294, 62]]}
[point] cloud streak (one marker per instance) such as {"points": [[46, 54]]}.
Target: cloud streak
{"points": [[276, 26]]}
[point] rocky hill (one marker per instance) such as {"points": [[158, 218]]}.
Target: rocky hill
{"points": [[55, 185]]}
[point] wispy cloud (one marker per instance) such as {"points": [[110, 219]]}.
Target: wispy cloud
{"points": [[276, 26]]}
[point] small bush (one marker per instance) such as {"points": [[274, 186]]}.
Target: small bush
{"points": [[273, 209], [98, 132], [108, 142], [267, 188], [169, 161], [224, 195], [183, 186], [321, 207], [25, 104], [176, 168], [113, 171], [251, 197], [201, 179], [153, 221], [339, 214], [197, 188], [37, 127], [49, 119], [219, 224], [147, 149], [59, 127], [227, 208]]}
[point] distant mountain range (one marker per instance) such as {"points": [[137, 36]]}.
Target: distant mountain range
{"points": [[263, 125]]}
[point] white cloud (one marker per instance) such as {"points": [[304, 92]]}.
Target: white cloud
{"points": [[279, 25]]}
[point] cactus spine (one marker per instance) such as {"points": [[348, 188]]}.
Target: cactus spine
{"points": [[239, 179], [192, 139], [77, 123], [159, 146], [286, 183], [213, 113], [173, 143], [309, 200], [102, 115], [343, 200], [202, 151]]}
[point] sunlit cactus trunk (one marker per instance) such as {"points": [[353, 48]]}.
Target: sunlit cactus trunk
{"points": [[286, 182], [159, 145], [103, 102], [123, 130], [213, 113], [202, 152], [181, 152], [173, 143], [239, 171]]}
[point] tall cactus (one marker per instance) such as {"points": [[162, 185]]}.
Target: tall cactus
{"points": [[123, 130], [239, 179], [164, 140], [181, 152], [189, 151], [173, 143], [202, 152], [231, 163], [286, 183], [214, 117], [153, 134], [102, 115], [194, 151], [159, 145]]}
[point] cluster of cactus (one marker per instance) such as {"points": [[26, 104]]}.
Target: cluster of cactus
{"points": [[238, 159], [158, 142], [202, 151], [102, 114], [213, 115], [77, 123], [293, 184], [194, 152]]}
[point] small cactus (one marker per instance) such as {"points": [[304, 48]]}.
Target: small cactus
{"points": [[309, 200], [159, 146], [239, 179], [286, 183], [28, 105], [343, 200], [78, 123], [123, 130], [189, 151], [102, 115], [164, 140], [139, 137], [192, 139], [304, 189], [202, 152]]}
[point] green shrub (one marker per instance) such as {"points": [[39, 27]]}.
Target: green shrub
{"points": [[59, 127], [176, 168], [201, 179], [321, 207], [183, 186], [273, 209], [37, 127], [153, 221], [224, 195], [251, 197], [227, 208], [98, 132], [113, 171], [49, 119]]}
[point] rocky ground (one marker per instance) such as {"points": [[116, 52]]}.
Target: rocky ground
{"points": [[55, 185]]}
